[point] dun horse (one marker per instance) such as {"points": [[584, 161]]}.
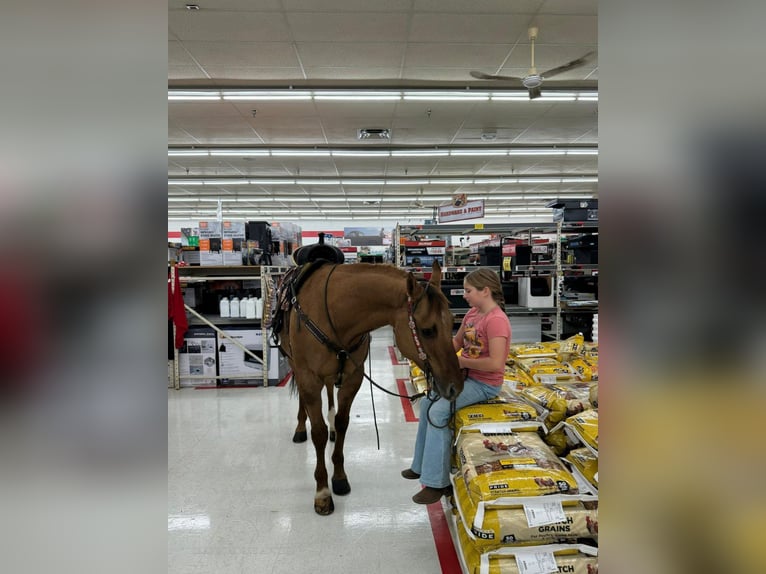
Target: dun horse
{"points": [[324, 326]]}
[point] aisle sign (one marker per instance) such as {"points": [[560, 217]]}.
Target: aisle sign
{"points": [[470, 210]]}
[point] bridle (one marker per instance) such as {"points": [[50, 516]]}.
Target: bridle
{"points": [[431, 394]]}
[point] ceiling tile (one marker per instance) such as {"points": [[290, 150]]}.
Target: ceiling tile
{"points": [[358, 54], [344, 27], [213, 26]]}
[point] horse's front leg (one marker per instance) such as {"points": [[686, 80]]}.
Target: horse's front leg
{"points": [[300, 434], [346, 394], [312, 402]]}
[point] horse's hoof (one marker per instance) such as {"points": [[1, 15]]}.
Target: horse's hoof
{"points": [[341, 486], [332, 436], [324, 506], [300, 437]]}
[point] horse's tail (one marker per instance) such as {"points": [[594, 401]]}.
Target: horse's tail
{"points": [[293, 386]]}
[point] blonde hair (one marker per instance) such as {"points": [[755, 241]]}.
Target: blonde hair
{"points": [[481, 278]]}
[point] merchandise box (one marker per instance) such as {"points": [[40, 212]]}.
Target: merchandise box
{"points": [[535, 292], [198, 357], [574, 210], [210, 243], [234, 362], [233, 239]]}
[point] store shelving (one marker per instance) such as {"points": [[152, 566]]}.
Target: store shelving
{"points": [[556, 269], [265, 276]]}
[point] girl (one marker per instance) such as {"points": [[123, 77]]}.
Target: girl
{"points": [[484, 337]]}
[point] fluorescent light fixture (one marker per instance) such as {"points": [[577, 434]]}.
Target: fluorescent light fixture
{"points": [[400, 152], [419, 153], [363, 182], [300, 153], [408, 182], [241, 152], [536, 152], [446, 95], [541, 180], [372, 95], [267, 95], [185, 182], [357, 95], [495, 180], [579, 180], [360, 153], [317, 182], [188, 152], [256, 181], [451, 180], [478, 152], [196, 95]]}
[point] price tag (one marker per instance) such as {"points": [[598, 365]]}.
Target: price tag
{"points": [[541, 513], [536, 563], [547, 379]]}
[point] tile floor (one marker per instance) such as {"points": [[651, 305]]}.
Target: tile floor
{"points": [[240, 492]]}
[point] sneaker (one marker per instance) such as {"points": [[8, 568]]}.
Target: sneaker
{"points": [[410, 474], [430, 495]]}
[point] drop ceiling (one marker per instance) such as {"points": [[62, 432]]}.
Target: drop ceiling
{"points": [[401, 46]]}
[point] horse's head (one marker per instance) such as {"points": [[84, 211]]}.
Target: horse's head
{"points": [[423, 334]]}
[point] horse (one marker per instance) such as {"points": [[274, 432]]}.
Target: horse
{"points": [[323, 328]]}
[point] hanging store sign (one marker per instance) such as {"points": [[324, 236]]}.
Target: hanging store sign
{"points": [[470, 210]]}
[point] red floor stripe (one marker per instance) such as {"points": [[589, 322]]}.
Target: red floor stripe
{"points": [[409, 412], [394, 358], [283, 382], [445, 548]]}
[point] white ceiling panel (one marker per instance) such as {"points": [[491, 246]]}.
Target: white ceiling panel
{"points": [[244, 54], [343, 55], [240, 26], [469, 56], [348, 27], [376, 44], [467, 28]]}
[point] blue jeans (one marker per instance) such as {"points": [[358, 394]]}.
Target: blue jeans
{"points": [[433, 446]]}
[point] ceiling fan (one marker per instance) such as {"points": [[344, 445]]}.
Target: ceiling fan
{"points": [[532, 81]]}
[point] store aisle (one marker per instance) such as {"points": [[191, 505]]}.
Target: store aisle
{"points": [[240, 492]]}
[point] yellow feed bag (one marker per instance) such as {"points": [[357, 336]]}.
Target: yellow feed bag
{"points": [[506, 524], [506, 407], [585, 428], [585, 462], [513, 464]]}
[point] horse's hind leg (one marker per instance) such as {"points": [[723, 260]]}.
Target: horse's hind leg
{"points": [[300, 434], [331, 409], [310, 392], [346, 394]]}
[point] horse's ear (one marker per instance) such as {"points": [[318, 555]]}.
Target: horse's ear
{"points": [[411, 284], [436, 275]]}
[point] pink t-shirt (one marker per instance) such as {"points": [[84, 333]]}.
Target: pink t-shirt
{"points": [[478, 330]]}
